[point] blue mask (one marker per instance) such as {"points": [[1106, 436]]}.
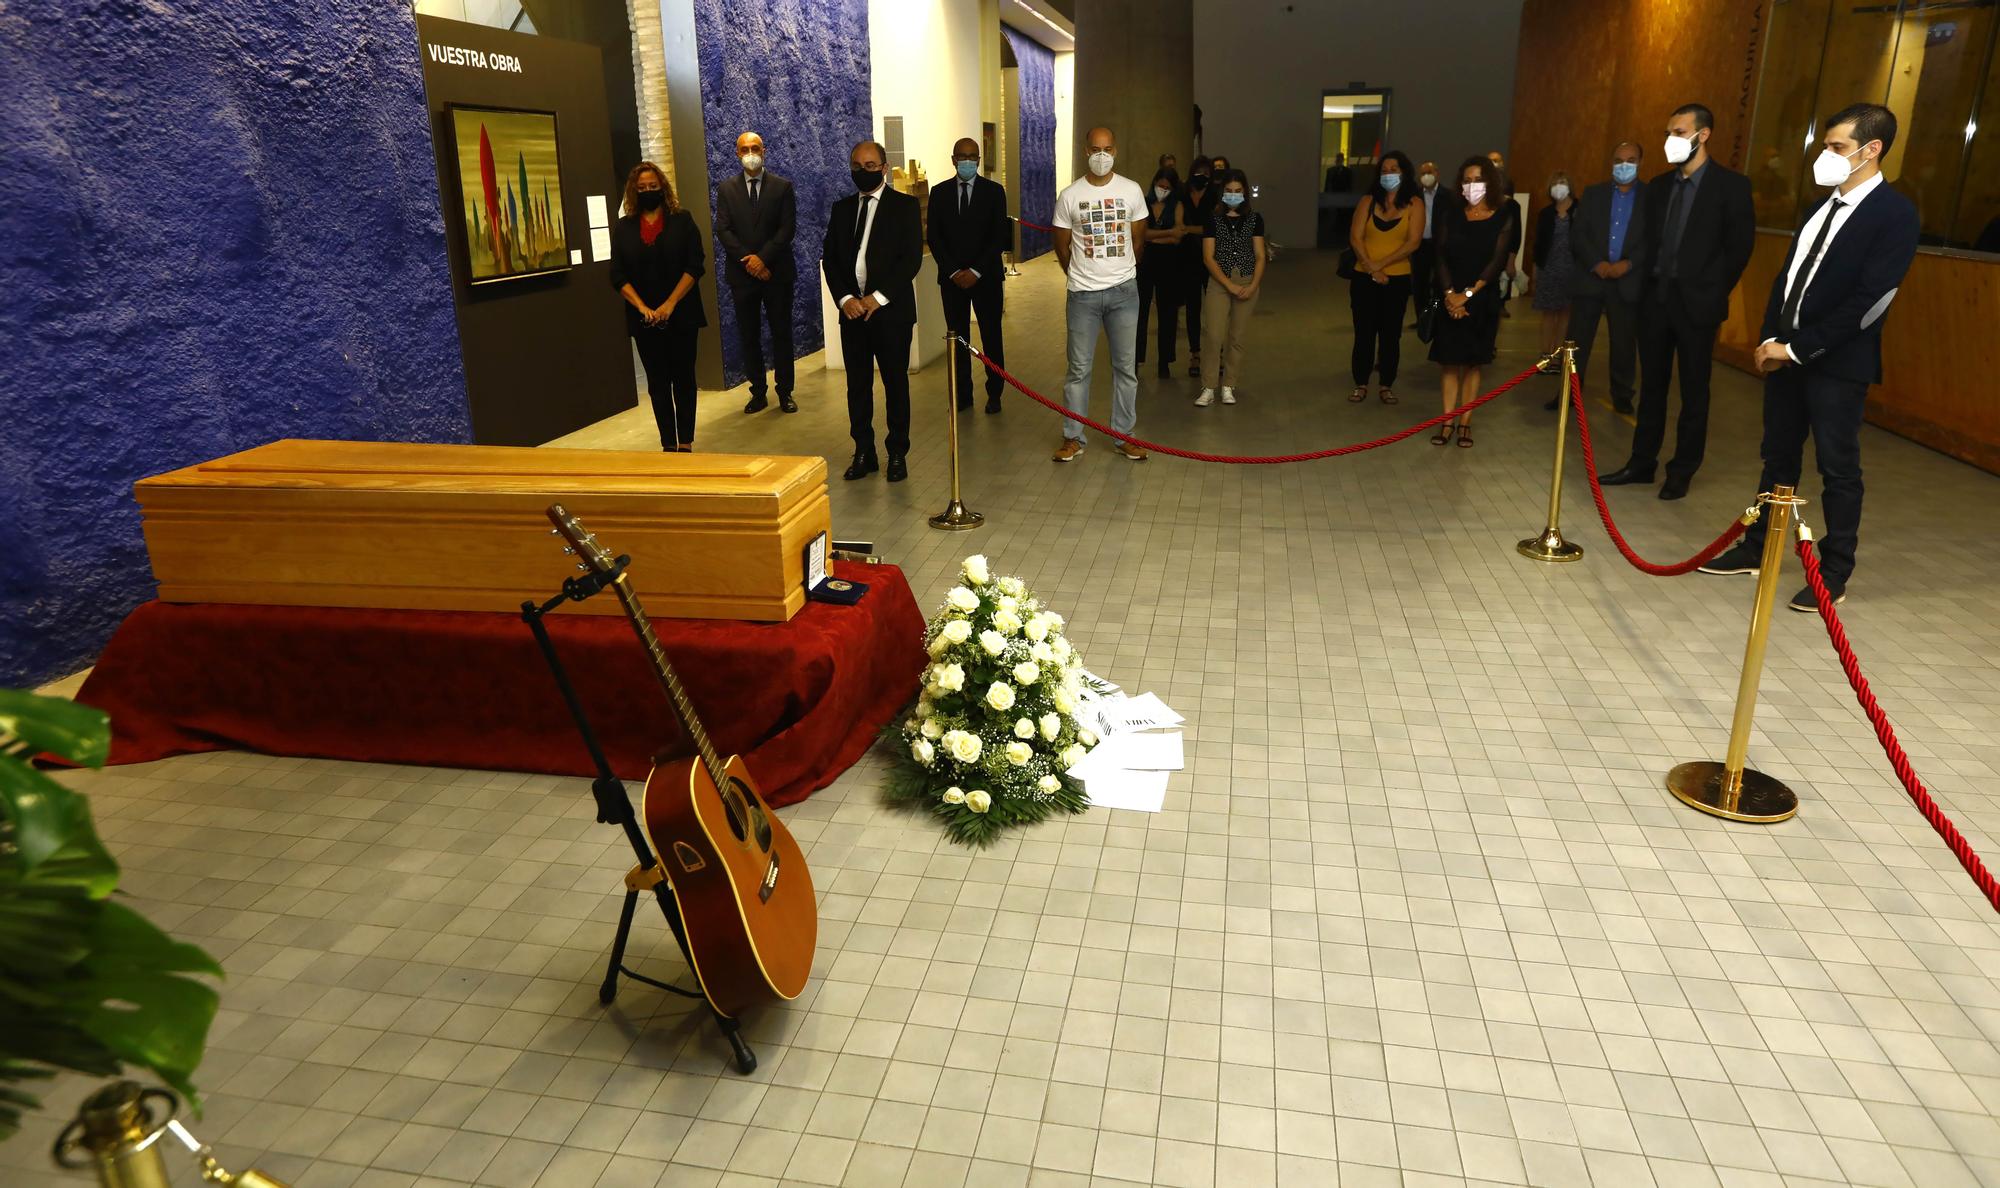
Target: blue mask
{"points": [[1233, 198], [967, 170], [1390, 181], [1625, 172]]}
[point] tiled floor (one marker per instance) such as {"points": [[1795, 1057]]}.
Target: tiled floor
{"points": [[1420, 912]]}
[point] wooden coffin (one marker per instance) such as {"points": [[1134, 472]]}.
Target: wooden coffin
{"points": [[456, 527]]}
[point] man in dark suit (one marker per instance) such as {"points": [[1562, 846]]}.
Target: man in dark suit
{"points": [[755, 215], [1822, 337], [968, 231], [1700, 226], [1608, 242], [874, 247]]}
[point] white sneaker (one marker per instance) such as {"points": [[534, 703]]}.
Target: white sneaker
{"points": [[1207, 398], [1229, 395]]}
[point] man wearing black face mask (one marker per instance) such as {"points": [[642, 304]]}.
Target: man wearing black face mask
{"points": [[873, 249]]}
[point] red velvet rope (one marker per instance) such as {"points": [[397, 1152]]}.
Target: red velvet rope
{"points": [[1715, 547], [1031, 226], [1886, 734], [1240, 459]]}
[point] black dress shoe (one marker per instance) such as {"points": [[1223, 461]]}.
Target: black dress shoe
{"points": [[757, 404], [965, 404], [993, 402], [1738, 558], [1674, 488], [1624, 476], [861, 466], [788, 404], [897, 470], [1621, 406]]}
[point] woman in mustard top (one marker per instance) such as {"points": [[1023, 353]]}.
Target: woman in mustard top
{"points": [[1387, 230]]}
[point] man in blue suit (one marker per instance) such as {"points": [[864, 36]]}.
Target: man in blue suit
{"points": [[1822, 336]]}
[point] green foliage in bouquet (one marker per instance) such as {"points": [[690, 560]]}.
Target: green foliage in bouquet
{"points": [[85, 983], [995, 727]]}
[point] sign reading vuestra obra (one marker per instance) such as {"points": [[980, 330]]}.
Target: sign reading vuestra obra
{"points": [[458, 55]]}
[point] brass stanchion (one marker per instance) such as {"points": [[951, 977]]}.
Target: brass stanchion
{"points": [[955, 517], [1550, 545], [1728, 789]]}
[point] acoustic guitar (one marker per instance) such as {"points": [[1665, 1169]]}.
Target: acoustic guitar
{"points": [[736, 873]]}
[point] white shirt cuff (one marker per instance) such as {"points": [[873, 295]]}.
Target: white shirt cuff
{"points": [[974, 272], [879, 298], [842, 303], [1788, 348]]}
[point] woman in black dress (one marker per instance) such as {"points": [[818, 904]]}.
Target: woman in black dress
{"points": [[656, 258], [1472, 245]]}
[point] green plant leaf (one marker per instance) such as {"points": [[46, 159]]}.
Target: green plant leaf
{"points": [[125, 941], [44, 932], [44, 814], [56, 725]]}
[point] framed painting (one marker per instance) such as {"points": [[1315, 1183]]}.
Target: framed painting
{"points": [[509, 192]]}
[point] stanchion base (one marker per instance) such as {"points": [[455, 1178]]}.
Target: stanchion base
{"points": [[1550, 546], [957, 519], [1761, 801]]}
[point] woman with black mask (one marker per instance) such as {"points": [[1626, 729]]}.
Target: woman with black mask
{"points": [[656, 258], [1162, 275], [1202, 200]]}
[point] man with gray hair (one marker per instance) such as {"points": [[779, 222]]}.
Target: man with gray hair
{"points": [[1098, 223], [1608, 244]]}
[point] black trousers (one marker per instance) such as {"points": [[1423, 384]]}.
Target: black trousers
{"points": [[1378, 326], [1797, 404], [1192, 295], [1163, 282], [772, 300], [1668, 337], [1623, 316], [1423, 274], [985, 301], [870, 345], [667, 354]]}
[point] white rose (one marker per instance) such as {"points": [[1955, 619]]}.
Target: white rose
{"points": [[1025, 728], [1049, 783], [975, 569], [1051, 726], [1000, 696], [1086, 737], [922, 751], [1071, 756], [1006, 622], [1011, 586], [978, 801], [960, 598], [954, 796], [924, 707], [1037, 628], [957, 631], [931, 730], [1065, 701], [1043, 653], [1055, 620], [1026, 671], [961, 745], [939, 646], [950, 677], [994, 642], [1018, 753], [1062, 648]]}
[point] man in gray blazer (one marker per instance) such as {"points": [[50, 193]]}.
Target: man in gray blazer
{"points": [[755, 216], [1609, 244]]}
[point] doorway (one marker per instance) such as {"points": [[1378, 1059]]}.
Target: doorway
{"points": [[1353, 128]]}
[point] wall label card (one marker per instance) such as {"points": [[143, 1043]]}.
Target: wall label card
{"points": [[600, 243], [600, 215]]}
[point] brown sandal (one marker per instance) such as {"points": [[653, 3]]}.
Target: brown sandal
{"points": [[1443, 435], [1465, 435], [1388, 397], [1360, 394]]}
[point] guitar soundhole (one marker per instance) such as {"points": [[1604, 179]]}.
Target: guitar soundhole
{"points": [[746, 815], [733, 808]]}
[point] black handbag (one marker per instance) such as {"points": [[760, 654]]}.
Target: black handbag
{"points": [[1345, 267], [1427, 319]]}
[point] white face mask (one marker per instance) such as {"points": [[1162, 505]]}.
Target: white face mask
{"points": [[1831, 169], [1161, 192], [1558, 191], [1100, 163], [1428, 180], [1679, 149], [1475, 192], [753, 162]]}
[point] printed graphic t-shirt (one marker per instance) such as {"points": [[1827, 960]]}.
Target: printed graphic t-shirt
{"points": [[1099, 220]]}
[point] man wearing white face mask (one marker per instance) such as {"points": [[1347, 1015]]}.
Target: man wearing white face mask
{"points": [[1822, 337], [1099, 232], [1702, 224], [756, 213]]}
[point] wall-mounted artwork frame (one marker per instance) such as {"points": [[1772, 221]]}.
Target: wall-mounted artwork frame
{"points": [[510, 201]]}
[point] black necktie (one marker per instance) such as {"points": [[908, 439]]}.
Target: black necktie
{"points": [[964, 196], [861, 216], [753, 191], [1798, 293]]}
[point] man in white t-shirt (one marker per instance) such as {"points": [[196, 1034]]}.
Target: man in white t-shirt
{"points": [[1098, 240]]}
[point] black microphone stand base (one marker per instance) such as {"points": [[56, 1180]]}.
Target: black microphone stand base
{"points": [[614, 807]]}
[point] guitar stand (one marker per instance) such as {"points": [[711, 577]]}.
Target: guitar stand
{"points": [[615, 807]]}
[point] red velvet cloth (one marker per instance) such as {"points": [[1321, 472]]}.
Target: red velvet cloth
{"points": [[800, 701]]}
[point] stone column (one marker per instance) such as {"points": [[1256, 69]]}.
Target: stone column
{"points": [[1135, 74]]}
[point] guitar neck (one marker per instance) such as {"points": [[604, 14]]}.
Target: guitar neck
{"points": [[669, 680]]}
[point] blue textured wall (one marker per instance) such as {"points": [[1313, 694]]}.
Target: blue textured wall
{"points": [[1037, 101], [219, 226], [795, 72]]}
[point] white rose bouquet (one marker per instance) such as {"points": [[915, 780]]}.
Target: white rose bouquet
{"points": [[994, 727]]}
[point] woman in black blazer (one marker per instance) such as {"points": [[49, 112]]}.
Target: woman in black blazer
{"points": [[656, 258]]}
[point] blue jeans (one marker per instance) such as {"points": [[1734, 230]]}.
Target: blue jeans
{"points": [[1116, 312]]}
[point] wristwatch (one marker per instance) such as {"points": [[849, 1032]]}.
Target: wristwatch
{"points": [[1468, 290]]}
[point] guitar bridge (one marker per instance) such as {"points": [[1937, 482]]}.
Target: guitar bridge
{"points": [[770, 882]]}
